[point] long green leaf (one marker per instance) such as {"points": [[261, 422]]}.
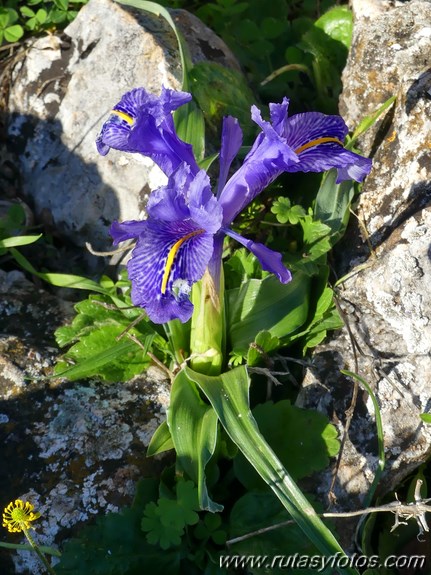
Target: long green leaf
{"points": [[333, 204], [266, 305], [193, 427], [367, 122], [25, 547], [228, 394], [59, 280], [161, 440], [19, 241]]}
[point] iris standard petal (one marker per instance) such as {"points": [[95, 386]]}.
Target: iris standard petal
{"points": [[204, 207], [161, 144], [270, 260], [168, 202], [171, 100], [231, 141], [278, 113], [261, 167], [168, 258]]}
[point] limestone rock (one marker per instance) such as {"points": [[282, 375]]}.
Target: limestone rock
{"points": [[389, 57], [62, 92], [386, 301], [74, 449]]}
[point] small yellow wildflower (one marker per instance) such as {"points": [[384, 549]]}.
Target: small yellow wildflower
{"points": [[18, 515]]}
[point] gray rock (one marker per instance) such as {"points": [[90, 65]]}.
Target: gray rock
{"points": [[386, 302], [74, 449], [62, 92]]}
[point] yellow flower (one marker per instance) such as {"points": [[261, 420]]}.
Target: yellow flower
{"points": [[18, 515]]}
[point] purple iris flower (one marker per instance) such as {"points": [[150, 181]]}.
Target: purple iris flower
{"points": [[142, 122], [183, 234]]}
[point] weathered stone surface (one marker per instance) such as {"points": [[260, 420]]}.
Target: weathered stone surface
{"points": [[387, 302], [389, 57], [62, 92], [73, 449]]}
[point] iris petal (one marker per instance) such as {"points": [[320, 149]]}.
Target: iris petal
{"points": [[160, 276], [116, 130], [270, 260], [158, 141], [231, 140], [325, 156], [122, 231], [142, 122], [262, 165], [168, 202], [204, 208], [303, 128]]}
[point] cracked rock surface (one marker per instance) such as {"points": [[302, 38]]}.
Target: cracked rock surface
{"points": [[74, 449], [386, 300]]}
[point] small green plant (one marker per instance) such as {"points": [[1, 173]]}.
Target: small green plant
{"points": [[35, 16], [10, 31]]}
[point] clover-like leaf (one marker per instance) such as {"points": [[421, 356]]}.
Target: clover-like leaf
{"points": [[187, 501], [161, 524], [281, 209], [165, 521]]}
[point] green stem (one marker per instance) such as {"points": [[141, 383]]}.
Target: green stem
{"points": [[208, 325], [38, 552]]}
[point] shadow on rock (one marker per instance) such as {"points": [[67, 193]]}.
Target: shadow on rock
{"points": [[67, 192]]}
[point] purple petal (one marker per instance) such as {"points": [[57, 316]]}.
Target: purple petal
{"points": [[270, 260], [161, 274], [262, 165], [187, 197], [204, 208], [278, 113], [132, 102], [329, 155], [304, 128], [156, 138], [142, 122], [168, 202], [126, 230], [167, 308], [116, 130], [357, 170], [318, 141], [114, 134], [172, 99], [231, 140]]}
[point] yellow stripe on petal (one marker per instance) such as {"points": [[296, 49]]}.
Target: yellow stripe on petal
{"points": [[316, 142], [123, 116], [171, 257]]}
